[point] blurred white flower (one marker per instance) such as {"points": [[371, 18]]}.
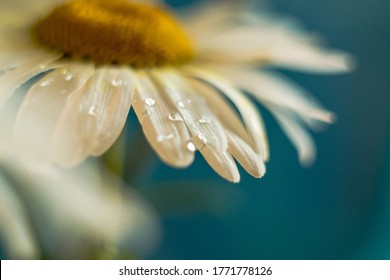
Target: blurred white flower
{"points": [[70, 214], [101, 57]]}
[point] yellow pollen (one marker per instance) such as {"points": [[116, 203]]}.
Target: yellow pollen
{"points": [[115, 31]]}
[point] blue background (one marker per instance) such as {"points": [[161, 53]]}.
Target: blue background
{"points": [[337, 209]]}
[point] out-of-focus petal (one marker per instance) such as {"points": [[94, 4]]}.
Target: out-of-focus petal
{"points": [[275, 89], [41, 110], [94, 212], [12, 80], [268, 39], [297, 134]]}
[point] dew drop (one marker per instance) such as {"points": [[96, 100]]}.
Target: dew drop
{"points": [[119, 82], [175, 117], [150, 101], [202, 138], [147, 112], [191, 146], [162, 138], [204, 120], [181, 104], [69, 76], [46, 83], [93, 111]]}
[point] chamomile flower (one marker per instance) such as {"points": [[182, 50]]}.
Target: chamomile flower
{"points": [[187, 80]]}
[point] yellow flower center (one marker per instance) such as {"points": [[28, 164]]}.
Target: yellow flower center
{"points": [[115, 31]]}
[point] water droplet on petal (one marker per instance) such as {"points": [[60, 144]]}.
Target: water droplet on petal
{"points": [[119, 82], [191, 146], [181, 104], [69, 76], [202, 138], [46, 83], [204, 120], [175, 117], [93, 111], [150, 101], [162, 138], [147, 112]]}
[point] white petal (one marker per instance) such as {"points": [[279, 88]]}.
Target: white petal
{"points": [[312, 59], [163, 126], [276, 89], [246, 156], [41, 110], [221, 161], [297, 134], [221, 108], [195, 112], [94, 116], [251, 116], [12, 80], [270, 41], [240, 144], [68, 147], [120, 90]]}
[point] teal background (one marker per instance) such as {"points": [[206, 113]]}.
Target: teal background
{"points": [[337, 209]]}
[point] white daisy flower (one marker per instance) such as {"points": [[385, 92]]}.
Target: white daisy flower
{"points": [[102, 57]]}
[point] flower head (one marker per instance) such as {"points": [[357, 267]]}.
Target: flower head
{"points": [[100, 58]]}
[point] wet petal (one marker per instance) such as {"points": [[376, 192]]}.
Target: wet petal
{"points": [[162, 124], [251, 116], [12, 80], [68, 146], [96, 115], [240, 144], [195, 112], [42, 108], [224, 112], [121, 87]]}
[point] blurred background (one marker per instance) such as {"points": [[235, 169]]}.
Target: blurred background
{"points": [[337, 209]]}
